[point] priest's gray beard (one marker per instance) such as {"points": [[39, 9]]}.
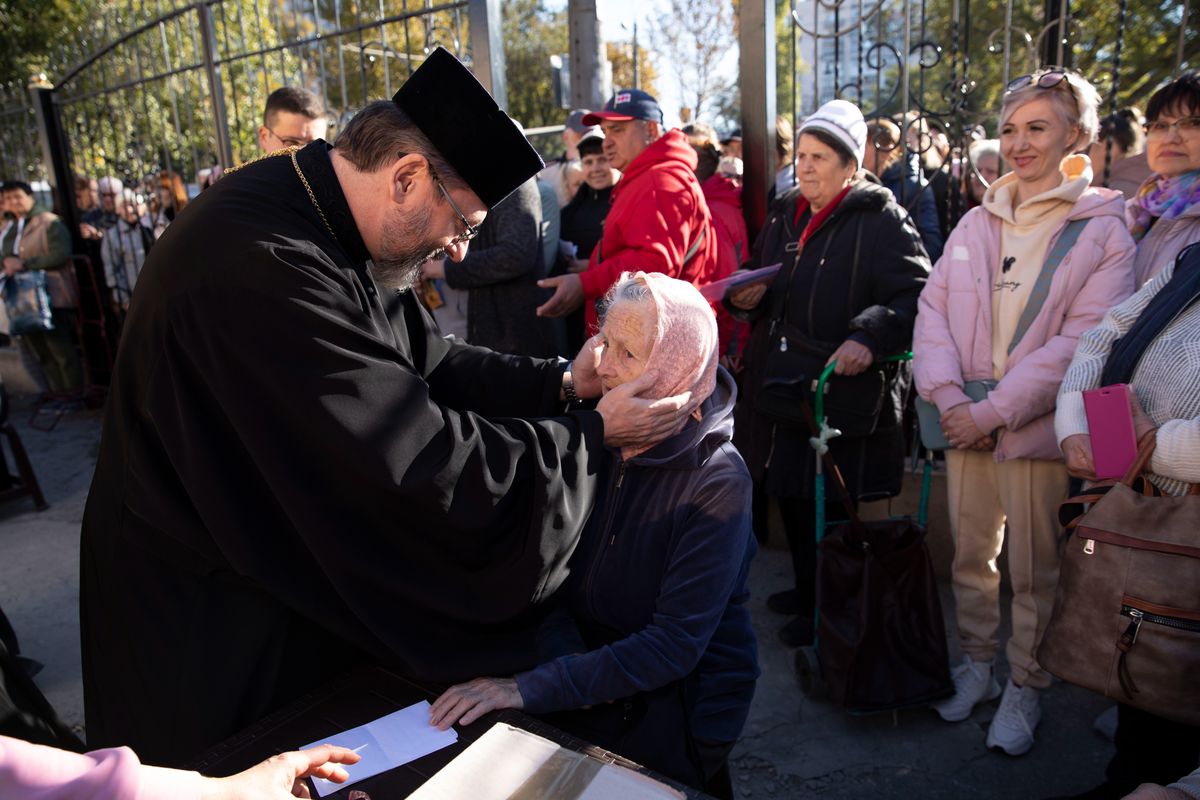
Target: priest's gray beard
{"points": [[406, 245]]}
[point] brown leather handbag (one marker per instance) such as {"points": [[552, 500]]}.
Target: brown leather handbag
{"points": [[1126, 619]]}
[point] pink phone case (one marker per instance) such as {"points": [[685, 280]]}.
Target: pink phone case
{"points": [[1110, 423]]}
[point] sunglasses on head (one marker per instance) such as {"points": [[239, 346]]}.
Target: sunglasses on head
{"points": [[1045, 80]]}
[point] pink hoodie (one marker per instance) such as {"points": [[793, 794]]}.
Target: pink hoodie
{"points": [[952, 341], [34, 772]]}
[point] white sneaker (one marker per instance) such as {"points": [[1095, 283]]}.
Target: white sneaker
{"points": [[1018, 715], [973, 684]]}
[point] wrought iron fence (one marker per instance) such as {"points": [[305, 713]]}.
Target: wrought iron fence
{"points": [[939, 67], [178, 86]]}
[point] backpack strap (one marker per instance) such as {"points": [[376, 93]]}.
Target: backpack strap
{"points": [[695, 248], [1041, 289]]}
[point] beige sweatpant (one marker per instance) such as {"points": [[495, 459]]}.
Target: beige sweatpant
{"points": [[982, 496]]}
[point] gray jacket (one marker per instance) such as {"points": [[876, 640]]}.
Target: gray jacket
{"points": [[501, 271]]}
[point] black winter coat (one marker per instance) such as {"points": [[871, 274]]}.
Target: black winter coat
{"points": [[858, 276]]}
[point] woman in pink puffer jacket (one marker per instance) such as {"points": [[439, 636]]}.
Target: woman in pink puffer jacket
{"points": [[979, 320]]}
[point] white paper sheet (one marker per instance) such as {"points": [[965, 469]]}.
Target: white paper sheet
{"points": [[498, 764], [386, 743]]}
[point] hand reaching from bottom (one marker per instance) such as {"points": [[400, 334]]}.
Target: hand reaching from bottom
{"points": [[281, 777]]}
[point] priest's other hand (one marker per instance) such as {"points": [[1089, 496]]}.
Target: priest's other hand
{"points": [[281, 777], [583, 368], [568, 295], [467, 702], [632, 421]]}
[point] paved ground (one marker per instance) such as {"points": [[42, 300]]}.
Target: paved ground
{"points": [[793, 747]]}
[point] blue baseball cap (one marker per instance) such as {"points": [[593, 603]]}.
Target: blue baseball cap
{"points": [[625, 105]]}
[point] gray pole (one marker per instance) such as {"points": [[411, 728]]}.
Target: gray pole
{"points": [[56, 157], [586, 54], [216, 90], [756, 63], [636, 83], [487, 47]]}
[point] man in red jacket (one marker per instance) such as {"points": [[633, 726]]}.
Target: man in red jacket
{"points": [[659, 220]]}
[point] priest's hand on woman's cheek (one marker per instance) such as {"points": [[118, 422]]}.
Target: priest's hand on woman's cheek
{"points": [[469, 701]]}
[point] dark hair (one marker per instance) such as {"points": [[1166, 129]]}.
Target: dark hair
{"points": [[294, 100], [708, 158], [829, 140], [591, 146], [1181, 94], [1124, 129], [12, 186], [381, 133]]}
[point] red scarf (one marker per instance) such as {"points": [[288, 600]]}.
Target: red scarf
{"points": [[818, 218]]}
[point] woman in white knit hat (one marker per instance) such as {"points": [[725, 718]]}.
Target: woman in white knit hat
{"points": [[1023, 275], [852, 268]]}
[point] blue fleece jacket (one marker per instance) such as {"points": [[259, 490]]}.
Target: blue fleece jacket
{"points": [[912, 191], [658, 586]]}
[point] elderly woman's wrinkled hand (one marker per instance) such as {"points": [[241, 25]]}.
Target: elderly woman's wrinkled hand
{"points": [[852, 358], [1142, 424], [1077, 452], [959, 427], [748, 297], [633, 421], [469, 701]]}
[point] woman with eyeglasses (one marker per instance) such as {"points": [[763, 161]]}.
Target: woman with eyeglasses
{"points": [[1022, 276], [1164, 216]]}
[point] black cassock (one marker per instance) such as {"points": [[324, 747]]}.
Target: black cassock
{"points": [[298, 474]]}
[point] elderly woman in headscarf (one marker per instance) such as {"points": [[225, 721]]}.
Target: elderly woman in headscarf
{"points": [[653, 653]]}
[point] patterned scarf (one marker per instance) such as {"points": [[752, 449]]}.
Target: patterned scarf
{"points": [[1164, 198]]}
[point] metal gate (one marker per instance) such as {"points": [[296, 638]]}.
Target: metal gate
{"points": [[942, 65], [174, 86]]}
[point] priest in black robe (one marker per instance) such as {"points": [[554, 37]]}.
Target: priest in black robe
{"points": [[298, 474]]}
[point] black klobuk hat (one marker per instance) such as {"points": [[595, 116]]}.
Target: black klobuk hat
{"points": [[453, 109]]}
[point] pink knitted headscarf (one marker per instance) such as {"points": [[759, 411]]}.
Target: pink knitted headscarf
{"points": [[683, 350]]}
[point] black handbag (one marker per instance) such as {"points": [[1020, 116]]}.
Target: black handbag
{"points": [[792, 367]]}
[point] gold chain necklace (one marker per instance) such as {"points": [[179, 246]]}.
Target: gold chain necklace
{"points": [[299, 174], [311, 196]]}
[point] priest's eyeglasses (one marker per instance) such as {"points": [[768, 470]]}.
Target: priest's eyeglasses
{"points": [[471, 231]]}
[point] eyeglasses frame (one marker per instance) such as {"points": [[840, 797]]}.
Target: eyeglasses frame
{"points": [[471, 230], [1191, 119]]}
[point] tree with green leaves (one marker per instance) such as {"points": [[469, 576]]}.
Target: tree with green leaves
{"points": [[532, 34]]}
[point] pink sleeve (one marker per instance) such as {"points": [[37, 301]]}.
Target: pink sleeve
{"points": [[35, 772], [936, 367]]}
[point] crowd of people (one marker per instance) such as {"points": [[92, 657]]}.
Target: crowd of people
{"points": [[596, 517]]}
